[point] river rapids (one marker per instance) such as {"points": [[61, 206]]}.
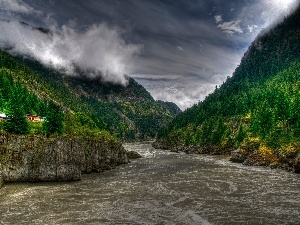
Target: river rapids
{"points": [[162, 188]]}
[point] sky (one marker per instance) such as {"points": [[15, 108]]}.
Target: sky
{"points": [[179, 50]]}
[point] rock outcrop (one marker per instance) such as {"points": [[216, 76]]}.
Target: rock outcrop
{"points": [[238, 156], [1, 180], [34, 158], [265, 158], [250, 153], [134, 155], [296, 165]]}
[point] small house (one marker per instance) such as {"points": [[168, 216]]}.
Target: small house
{"points": [[34, 118]]}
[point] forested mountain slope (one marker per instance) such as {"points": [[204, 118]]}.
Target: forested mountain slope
{"points": [[257, 110], [171, 106], [130, 112]]}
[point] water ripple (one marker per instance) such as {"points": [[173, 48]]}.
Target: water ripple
{"points": [[161, 188]]}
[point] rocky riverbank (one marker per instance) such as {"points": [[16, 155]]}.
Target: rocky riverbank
{"points": [[191, 149], [259, 158], [1, 180], [252, 154], [35, 158]]}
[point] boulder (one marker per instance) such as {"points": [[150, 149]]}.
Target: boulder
{"points": [[238, 156], [1, 180], [296, 165], [133, 155]]}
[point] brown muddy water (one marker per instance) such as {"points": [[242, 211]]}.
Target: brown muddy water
{"points": [[161, 188]]}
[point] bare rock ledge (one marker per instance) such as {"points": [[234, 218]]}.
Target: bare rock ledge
{"points": [[34, 159]]}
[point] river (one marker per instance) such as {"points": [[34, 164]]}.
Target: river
{"points": [[161, 188]]}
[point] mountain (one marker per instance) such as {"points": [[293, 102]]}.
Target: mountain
{"points": [[256, 111], [128, 112], [171, 106]]}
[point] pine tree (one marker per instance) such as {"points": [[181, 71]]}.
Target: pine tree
{"points": [[54, 122], [17, 122]]}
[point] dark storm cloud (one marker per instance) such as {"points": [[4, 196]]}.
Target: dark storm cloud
{"points": [[186, 47]]}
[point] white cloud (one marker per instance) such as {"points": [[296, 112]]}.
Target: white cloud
{"points": [[183, 91], [252, 28], [231, 27], [155, 76], [193, 74], [265, 14], [17, 6], [218, 79], [218, 18], [97, 51], [276, 10], [280, 5], [171, 89], [183, 95]]}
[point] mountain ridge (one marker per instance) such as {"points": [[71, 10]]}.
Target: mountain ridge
{"points": [[130, 112], [256, 110]]}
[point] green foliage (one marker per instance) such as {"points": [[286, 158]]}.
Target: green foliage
{"points": [[276, 119], [241, 135], [81, 125], [17, 122], [130, 113], [171, 106], [16, 101], [36, 128], [54, 122], [261, 100]]}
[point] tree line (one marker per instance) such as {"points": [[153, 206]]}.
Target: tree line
{"points": [[259, 103]]}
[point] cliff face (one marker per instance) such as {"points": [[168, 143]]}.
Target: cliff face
{"points": [[32, 158]]}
